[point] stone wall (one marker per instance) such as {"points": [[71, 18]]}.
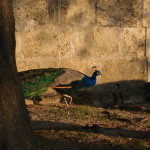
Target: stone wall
{"points": [[111, 34]]}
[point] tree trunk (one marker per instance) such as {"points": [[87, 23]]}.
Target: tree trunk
{"points": [[15, 129]]}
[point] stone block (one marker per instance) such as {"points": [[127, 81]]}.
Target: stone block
{"points": [[119, 12], [146, 13], [22, 64], [148, 52], [33, 12], [119, 52], [19, 46], [41, 41], [29, 13], [28, 102], [57, 10], [80, 12], [123, 69], [112, 93], [71, 12]]}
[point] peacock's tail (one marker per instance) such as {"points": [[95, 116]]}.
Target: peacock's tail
{"points": [[36, 82]]}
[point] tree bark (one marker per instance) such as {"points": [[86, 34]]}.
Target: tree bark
{"points": [[15, 128]]}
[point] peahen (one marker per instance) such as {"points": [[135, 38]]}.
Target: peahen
{"points": [[68, 82]]}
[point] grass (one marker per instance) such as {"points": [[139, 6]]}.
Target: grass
{"points": [[74, 128]]}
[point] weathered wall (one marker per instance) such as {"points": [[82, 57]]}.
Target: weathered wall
{"points": [[79, 34]]}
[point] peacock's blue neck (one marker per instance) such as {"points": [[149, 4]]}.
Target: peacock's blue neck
{"points": [[93, 77]]}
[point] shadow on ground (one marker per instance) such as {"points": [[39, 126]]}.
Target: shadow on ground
{"points": [[49, 125], [121, 92], [62, 136]]}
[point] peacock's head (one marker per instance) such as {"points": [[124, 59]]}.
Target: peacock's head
{"points": [[97, 73]]}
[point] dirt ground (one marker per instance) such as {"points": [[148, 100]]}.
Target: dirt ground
{"points": [[78, 127]]}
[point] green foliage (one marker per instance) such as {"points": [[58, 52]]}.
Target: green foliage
{"points": [[36, 82]]}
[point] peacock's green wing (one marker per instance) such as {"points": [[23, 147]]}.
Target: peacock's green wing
{"points": [[36, 82]]}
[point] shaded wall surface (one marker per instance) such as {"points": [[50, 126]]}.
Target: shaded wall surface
{"points": [[114, 35]]}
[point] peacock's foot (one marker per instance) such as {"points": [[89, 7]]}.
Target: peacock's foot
{"points": [[67, 99]]}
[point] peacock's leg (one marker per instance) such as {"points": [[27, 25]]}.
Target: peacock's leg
{"points": [[67, 98], [66, 101], [70, 100]]}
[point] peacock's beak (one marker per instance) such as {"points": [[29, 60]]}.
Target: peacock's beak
{"points": [[100, 73]]}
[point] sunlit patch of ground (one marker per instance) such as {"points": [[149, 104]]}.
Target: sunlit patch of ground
{"points": [[81, 127]]}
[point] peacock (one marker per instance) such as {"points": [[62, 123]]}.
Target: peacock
{"points": [[66, 81]]}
